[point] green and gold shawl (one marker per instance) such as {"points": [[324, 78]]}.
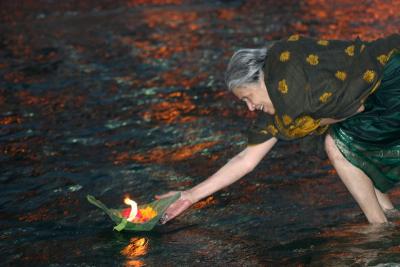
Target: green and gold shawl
{"points": [[310, 79]]}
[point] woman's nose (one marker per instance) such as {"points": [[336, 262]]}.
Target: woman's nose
{"points": [[250, 106]]}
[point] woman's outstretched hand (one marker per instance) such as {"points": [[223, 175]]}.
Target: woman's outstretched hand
{"points": [[176, 208]]}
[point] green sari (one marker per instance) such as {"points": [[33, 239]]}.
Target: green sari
{"points": [[371, 139]]}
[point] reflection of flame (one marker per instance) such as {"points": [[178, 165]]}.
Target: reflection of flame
{"points": [[133, 211], [137, 247], [134, 263]]}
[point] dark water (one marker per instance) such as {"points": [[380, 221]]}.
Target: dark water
{"points": [[115, 97]]}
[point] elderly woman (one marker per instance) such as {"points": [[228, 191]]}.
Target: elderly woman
{"points": [[347, 92]]}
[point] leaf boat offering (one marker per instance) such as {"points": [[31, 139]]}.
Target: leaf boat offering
{"points": [[136, 218]]}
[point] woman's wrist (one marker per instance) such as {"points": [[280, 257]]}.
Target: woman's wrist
{"points": [[190, 195]]}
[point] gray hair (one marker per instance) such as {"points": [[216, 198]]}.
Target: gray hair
{"points": [[245, 67]]}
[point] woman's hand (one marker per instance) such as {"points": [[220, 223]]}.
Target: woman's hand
{"points": [[176, 208]]}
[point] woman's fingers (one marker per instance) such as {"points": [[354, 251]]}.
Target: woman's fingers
{"points": [[175, 209], [170, 193]]}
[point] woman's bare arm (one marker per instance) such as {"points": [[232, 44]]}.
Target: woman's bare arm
{"points": [[233, 170]]}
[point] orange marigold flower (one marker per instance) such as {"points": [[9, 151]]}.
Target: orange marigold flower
{"points": [[147, 214]]}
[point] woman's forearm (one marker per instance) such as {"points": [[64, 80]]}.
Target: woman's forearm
{"points": [[232, 171]]}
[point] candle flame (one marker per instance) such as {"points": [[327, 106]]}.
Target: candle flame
{"points": [[134, 209]]}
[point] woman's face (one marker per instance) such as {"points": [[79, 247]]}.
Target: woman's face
{"points": [[255, 96]]}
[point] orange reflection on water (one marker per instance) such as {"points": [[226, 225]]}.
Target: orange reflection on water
{"points": [[188, 151], [14, 77], [344, 19], [171, 111], [169, 46], [160, 43], [133, 3], [41, 214], [17, 149], [46, 57], [226, 14], [28, 99], [20, 46], [175, 78], [54, 101], [205, 203], [53, 210], [163, 155], [10, 120], [171, 19]]}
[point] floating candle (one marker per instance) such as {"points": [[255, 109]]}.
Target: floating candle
{"points": [[133, 210], [135, 215]]}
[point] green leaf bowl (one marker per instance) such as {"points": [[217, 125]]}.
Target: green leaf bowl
{"points": [[159, 206]]}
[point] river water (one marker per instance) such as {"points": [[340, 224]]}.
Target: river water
{"points": [[127, 97]]}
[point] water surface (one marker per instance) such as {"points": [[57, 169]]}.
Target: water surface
{"points": [[127, 97]]}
